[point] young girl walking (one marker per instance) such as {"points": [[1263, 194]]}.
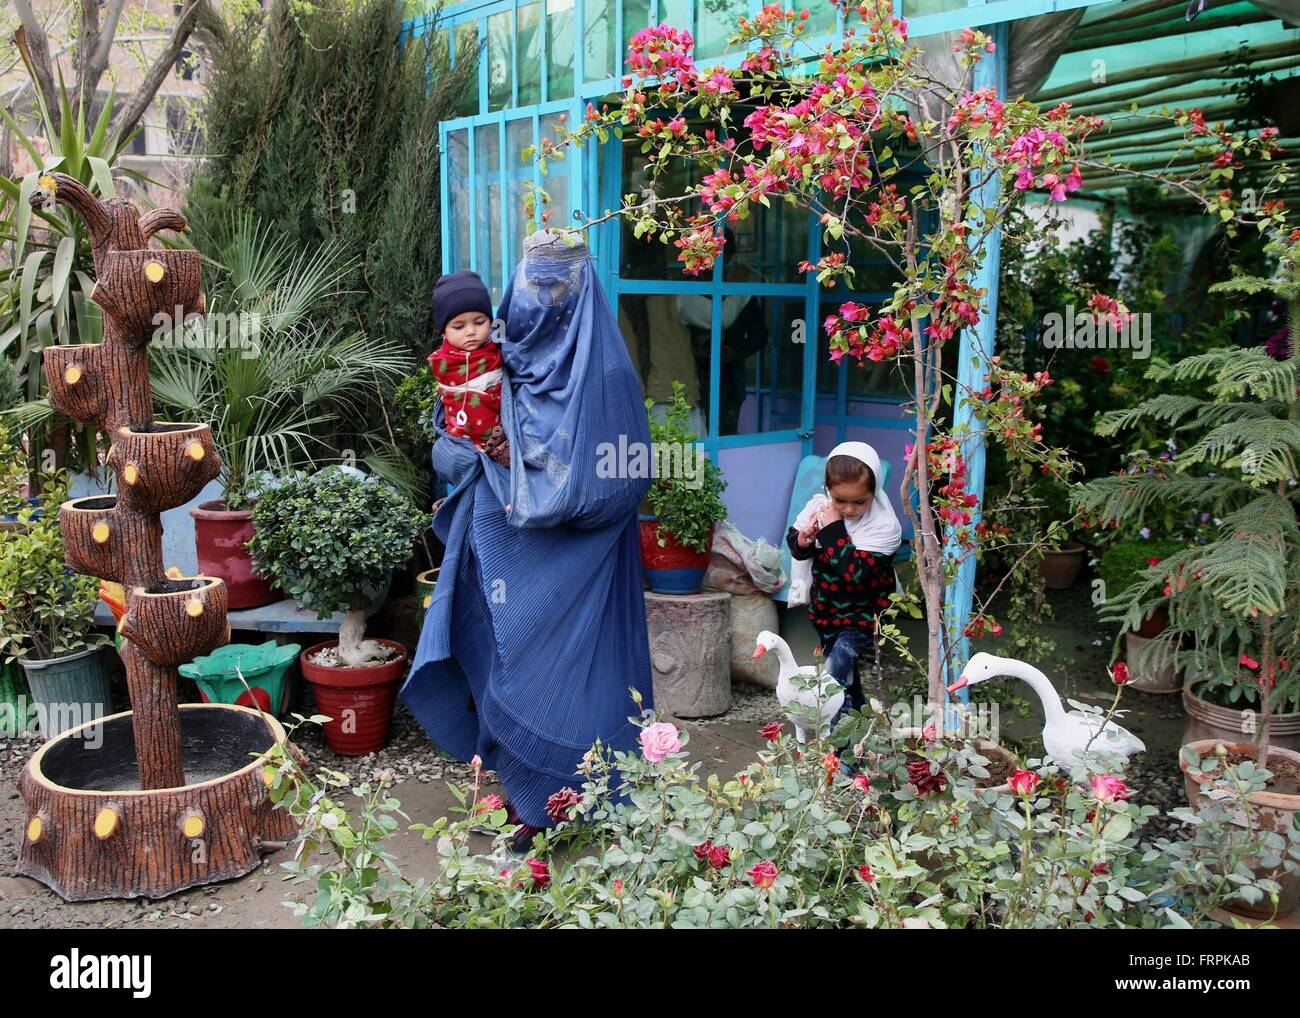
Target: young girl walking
{"points": [[843, 545]]}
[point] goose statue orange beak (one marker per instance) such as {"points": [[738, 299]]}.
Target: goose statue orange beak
{"points": [[959, 684], [759, 651]]}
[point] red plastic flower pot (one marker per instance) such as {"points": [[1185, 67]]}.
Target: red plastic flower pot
{"points": [[359, 700], [671, 568], [221, 538]]}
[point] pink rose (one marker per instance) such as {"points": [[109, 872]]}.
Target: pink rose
{"points": [[763, 874], [488, 804], [862, 783], [1024, 782], [659, 740], [1107, 788]]}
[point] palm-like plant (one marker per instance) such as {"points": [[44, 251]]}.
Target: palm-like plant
{"points": [[279, 389], [1240, 440], [45, 285]]}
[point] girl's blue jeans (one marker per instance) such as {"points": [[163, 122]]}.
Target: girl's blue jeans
{"points": [[845, 650]]}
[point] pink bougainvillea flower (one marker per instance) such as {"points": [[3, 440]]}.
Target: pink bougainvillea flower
{"points": [[1024, 782], [659, 740], [1108, 788], [541, 873], [763, 874]]}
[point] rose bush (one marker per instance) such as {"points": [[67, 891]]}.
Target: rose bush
{"points": [[651, 842]]}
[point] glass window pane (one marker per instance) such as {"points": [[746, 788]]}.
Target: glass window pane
{"points": [[666, 348], [717, 24], [458, 186], [500, 38], [487, 170], [519, 136], [636, 16], [771, 242], [678, 13], [598, 40], [556, 182], [649, 258], [529, 38], [821, 18], [761, 377], [880, 379], [559, 49], [467, 49]]}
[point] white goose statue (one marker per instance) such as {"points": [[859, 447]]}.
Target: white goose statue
{"points": [[828, 694], [1066, 735]]}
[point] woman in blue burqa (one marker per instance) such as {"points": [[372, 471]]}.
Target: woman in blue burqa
{"points": [[536, 631]]}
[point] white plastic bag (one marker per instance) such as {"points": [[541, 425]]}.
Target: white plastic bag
{"points": [[742, 566]]}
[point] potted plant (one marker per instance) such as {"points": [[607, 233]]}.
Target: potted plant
{"points": [[272, 380], [1118, 567], [685, 502], [47, 622], [1240, 588], [329, 540], [1060, 565]]}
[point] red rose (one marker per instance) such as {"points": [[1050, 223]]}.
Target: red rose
{"points": [[862, 783], [1121, 674], [763, 874], [541, 873], [703, 849], [865, 875], [1101, 365], [918, 773], [1024, 782], [772, 730], [719, 856], [560, 806], [831, 762]]}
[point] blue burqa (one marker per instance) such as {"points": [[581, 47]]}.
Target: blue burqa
{"points": [[537, 630]]}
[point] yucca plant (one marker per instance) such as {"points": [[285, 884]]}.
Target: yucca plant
{"points": [[45, 284], [1239, 440], [279, 388]]}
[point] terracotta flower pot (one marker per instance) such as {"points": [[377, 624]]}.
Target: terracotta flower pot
{"points": [[1206, 720], [1154, 624], [671, 568], [1061, 568], [221, 537], [1270, 810], [1161, 678], [359, 700]]}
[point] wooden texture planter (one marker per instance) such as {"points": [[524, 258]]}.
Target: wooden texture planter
{"points": [[122, 821]]}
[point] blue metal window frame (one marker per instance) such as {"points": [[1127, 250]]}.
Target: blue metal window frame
{"points": [[591, 188]]}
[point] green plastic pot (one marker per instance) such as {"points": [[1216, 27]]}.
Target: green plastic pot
{"points": [[71, 690], [424, 584], [264, 667]]}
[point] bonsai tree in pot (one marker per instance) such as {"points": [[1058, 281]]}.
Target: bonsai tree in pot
{"points": [[685, 502], [329, 540], [1240, 436], [47, 620]]}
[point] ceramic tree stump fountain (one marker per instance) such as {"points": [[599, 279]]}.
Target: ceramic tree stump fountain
{"points": [[161, 797]]}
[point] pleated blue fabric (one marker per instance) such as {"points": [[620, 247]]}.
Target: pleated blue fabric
{"points": [[536, 632]]}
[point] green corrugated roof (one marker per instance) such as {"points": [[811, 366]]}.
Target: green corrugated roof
{"points": [[1150, 54]]}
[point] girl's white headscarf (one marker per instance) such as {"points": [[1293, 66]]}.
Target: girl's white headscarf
{"points": [[876, 530]]}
